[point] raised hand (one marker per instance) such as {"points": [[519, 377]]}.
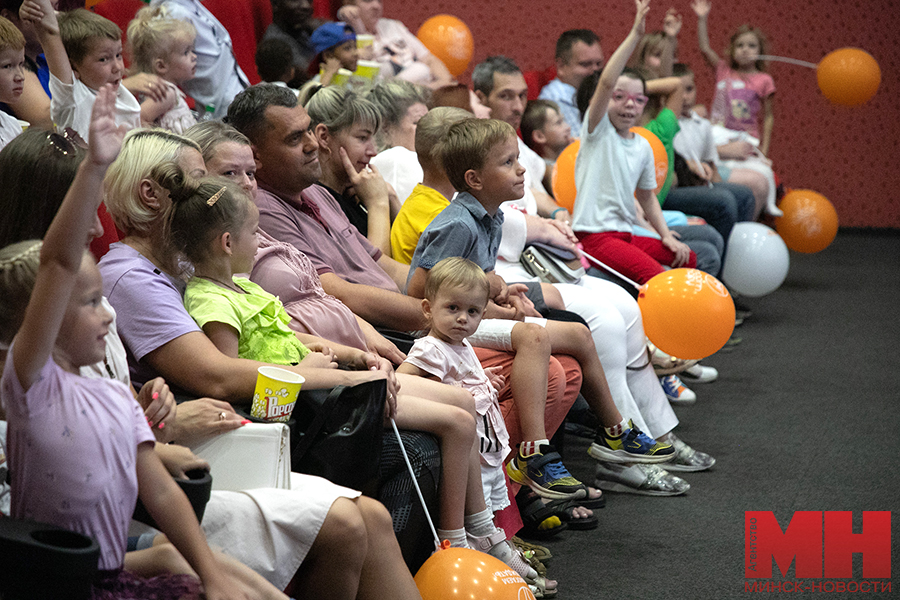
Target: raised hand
{"points": [[41, 13], [641, 8], [672, 23], [701, 8], [105, 136]]}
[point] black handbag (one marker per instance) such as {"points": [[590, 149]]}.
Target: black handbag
{"points": [[337, 434]]}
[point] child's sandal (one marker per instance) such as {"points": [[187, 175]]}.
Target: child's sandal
{"points": [[565, 509], [539, 522]]}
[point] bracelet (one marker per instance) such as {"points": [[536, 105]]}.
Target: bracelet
{"points": [[556, 210]]}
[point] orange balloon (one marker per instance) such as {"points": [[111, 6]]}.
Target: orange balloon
{"points": [[450, 40], [809, 223], [848, 76], [463, 573], [687, 313], [660, 158], [563, 178]]}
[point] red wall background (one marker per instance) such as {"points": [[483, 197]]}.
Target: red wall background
{"points": [[847, 154]]}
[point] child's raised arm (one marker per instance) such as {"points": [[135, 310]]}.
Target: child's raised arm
{"points": [[41, 13], [613, 68], [64, 244], [671, 88], [671, 28], [701, 9]]}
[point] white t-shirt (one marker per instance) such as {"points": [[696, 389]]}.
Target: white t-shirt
{"points": [[694, 140], [71, 106], [9, 128], [608, 170], [400, 167]]}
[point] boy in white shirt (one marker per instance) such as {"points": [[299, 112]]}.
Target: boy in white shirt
{"points": [[84, 53]]}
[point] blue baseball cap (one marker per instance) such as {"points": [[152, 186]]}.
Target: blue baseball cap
{"points": [[330, 35]]}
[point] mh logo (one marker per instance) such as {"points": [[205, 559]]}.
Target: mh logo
{"points": [[819, 551]]}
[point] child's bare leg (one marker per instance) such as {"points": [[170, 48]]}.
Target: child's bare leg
{"points": [[528, 378], [756, 182], [251, 579], [436, 392], [575, 339], [384, 574], [455, 428], [163, 557], [160, 558]]}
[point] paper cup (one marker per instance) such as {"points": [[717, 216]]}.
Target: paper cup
{"points": [[275, 395], [364, 40], [367, 68]]}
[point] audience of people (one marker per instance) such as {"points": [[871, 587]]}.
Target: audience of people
{"points": [[330, 227]]}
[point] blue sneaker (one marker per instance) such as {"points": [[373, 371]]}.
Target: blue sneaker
{"points": [[676, 391], [544, 473], [633, 446]]}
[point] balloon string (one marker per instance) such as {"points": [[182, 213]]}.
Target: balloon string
{"points": [[610, 269], [415, 483], [793, 61]]}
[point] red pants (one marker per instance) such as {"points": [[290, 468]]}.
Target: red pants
{"points": [[636, 257]]}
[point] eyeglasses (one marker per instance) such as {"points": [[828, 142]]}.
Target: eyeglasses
{"points": [[640, 100]]}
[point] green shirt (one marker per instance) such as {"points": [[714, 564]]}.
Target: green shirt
{"points": [[258, 316], [665, 126]]}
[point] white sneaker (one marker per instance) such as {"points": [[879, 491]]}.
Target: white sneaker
{"points": [[676, 391], [700, 374]]}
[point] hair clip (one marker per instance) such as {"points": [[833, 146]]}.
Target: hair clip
{"points": [[212, 199]]}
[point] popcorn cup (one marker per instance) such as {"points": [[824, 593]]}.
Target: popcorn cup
{"points": [[275, 395], [364, 40], [367, 69]]}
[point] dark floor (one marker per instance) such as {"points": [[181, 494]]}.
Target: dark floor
{"points": [[804, 416]]}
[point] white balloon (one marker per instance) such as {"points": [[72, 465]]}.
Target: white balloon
{"points": [[756, 260]]}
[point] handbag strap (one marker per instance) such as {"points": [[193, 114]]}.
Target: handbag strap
{"points": [[318, 422]]}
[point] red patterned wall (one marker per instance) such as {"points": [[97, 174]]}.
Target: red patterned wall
{"points": [[847, 154]]}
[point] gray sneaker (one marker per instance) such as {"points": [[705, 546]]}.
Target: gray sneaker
{"points": [[643, 479], [686, 458]]}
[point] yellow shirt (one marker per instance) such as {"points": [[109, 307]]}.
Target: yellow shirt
{"points": [[422, 206]]}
